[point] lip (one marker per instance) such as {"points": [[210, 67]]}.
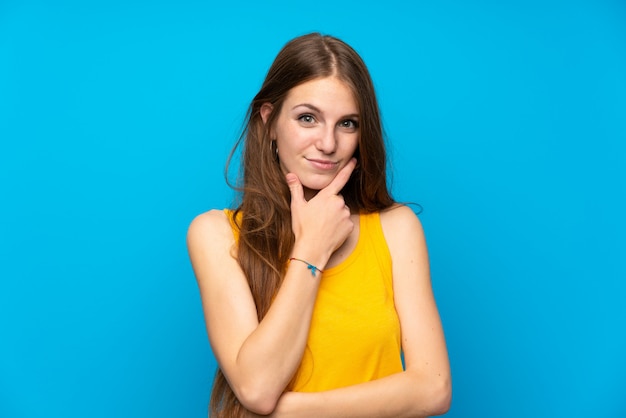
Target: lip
{"points": [[325, 165]]}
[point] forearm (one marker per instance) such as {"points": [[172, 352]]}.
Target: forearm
{"points": [[271, 354], [406, 394]]}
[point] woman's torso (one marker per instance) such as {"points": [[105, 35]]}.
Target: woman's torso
{"points": [[354, 335], [355, 331]]}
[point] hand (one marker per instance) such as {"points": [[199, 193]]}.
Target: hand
{"points": [[323, 223]]}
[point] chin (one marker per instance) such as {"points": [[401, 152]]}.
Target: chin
{"points": [[316, 185]]}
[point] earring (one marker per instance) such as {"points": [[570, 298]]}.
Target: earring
{"points": [[274, 148]]}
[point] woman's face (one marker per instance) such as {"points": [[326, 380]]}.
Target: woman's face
{"points": [[316, 132]]}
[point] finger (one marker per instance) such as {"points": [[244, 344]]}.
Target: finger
{"points": [[341, 200], [341, 178], [295, 187]]}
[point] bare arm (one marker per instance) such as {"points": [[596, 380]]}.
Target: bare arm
{"points": [[425, 387], [259, 359]]}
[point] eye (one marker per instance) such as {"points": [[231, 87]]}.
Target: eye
{"points": [[349, 124], [306, 118]]}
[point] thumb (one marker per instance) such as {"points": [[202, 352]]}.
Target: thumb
{"points": [[295, 187]]}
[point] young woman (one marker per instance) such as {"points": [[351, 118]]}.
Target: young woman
{"points": [[318, 282]]}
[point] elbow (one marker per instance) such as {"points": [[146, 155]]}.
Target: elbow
{"points": [[257, 400], [441, 397]]}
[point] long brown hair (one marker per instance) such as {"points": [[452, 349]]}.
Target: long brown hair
{"points": [[264, 222]]}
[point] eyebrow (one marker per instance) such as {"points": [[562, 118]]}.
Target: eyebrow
{"points": [[316, 109]]}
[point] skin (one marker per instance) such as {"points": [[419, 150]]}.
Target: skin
{"points": [[317, 134], [316, 131]]}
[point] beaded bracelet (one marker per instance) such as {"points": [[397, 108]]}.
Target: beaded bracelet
{"points": [[308, 265]]}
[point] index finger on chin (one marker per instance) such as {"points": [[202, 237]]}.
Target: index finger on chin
{"points": [[341, 178]]}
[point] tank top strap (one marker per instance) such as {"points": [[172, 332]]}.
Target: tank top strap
{"points": [[371, 227]]}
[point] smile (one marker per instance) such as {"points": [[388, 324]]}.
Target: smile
{"points": [[323, 164]]}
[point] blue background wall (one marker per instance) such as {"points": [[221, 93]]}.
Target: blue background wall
{"points": [[506, 123]]}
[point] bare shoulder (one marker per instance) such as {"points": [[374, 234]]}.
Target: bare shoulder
{"points": [[210, 239], [213, 224], [399, 222]]}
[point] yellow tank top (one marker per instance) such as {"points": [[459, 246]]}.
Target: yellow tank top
{"points": [[355, 330]]}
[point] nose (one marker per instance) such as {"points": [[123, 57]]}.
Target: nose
{"points": [[327, 141]]}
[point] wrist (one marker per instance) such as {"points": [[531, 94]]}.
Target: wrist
{"points": [[309, 255], [315, 271]]}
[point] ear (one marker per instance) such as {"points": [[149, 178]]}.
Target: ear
{"points": [[266, 110]]}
